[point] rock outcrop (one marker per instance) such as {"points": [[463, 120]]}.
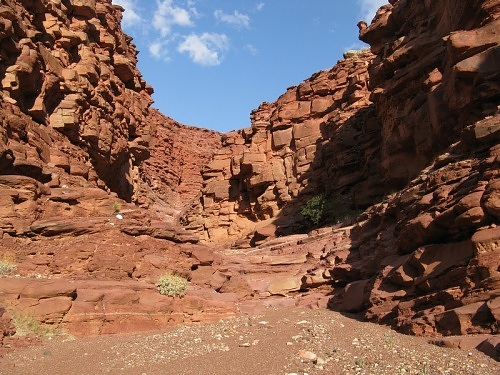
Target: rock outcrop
{"points": [[93, 180], [172, 173], [426, 259], [421, 117], [76, 127], [320, 137], [68, 67]]}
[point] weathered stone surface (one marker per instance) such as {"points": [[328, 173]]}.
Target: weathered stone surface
{"points": [[304, 142], [93, 181], [431, 269], [160, 230]]}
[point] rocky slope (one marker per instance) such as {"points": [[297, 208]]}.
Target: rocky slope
{"points": [[426, 260], [76, 127], [93, 180], [419, 117]]}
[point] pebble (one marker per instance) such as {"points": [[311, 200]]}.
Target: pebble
{"points": [[307, 356]]}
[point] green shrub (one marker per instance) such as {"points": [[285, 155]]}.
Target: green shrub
{"points": [[117, 207], [315, 208], [7, 265], [319, 209], [172, 284]]}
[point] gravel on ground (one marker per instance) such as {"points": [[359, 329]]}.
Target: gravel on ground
{"points": [[279, 341]]}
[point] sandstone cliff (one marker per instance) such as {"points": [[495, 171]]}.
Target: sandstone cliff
{"points": [[419, 116], [78, 201], [426, 259], [319, 137], [407, 132], [71, 71]]}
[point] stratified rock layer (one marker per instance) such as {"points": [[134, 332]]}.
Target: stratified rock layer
{"points": [[319, 137], [92, 179], [172, 173], [426, 259], [71, 70], [76, 126]]}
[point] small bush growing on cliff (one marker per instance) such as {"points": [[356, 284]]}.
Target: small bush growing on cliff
{"points": [[320, 209], [172, 284], [27, 325], [315, 208], [7, 265], [117, 207]]}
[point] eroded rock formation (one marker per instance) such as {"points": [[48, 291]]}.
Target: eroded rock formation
{"points": [[76, 126], [319, 137], [426, 260], [92, 179], [70, 69]]}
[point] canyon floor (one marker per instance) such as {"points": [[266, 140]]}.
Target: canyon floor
{"points": [[276, 341]]}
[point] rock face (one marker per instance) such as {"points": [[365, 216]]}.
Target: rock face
{"points": [[93, 180], [76, 127], [172, 173], [426, 259], [85, 101], [319, 137], [74, 103], [420, 116]]}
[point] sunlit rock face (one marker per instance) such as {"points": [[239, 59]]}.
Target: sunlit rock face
{"points": [[100, 193], [320, 137]]}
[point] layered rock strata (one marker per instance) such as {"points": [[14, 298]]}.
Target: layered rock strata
{"points": [[172, 173], [76, 126], [71, 70], [426, 259], [412, 126], [319, 137]]}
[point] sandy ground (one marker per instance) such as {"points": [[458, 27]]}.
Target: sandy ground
{"points": [[277, 342]]}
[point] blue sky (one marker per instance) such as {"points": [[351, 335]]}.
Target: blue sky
{"points": [[212, 61]]}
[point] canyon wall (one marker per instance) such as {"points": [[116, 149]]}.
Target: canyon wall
{"points": [[320, 137], [426, 259], [412, 128], [172, 173], [70, 69], [92, 179], [76, 114]]}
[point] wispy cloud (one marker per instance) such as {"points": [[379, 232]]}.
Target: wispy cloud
{"points": [[260, 6], [369, 8], [252, 49], [206, 49], [168, 15], [158, 49], [131, 15], [236, 19]]}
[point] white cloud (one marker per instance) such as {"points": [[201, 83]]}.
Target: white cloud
{"points": [[205, 49], [369, 8], [158, 49], [260, 6], [167, 15], [252, 49], [131, 16], [236, 19]]}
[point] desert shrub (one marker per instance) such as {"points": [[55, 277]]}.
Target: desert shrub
{"points": [[172, 284], [117, 207], [320, 209], [315, 208], [7, 265], [27, 325]]}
